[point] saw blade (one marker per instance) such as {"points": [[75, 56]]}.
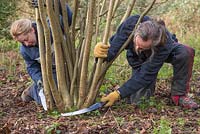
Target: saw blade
{"points": [[85, 110]]}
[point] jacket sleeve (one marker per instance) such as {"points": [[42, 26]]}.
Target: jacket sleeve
{"points": [[122, 34], [145, 75], [69, 15], [33, 67], [69, 11]]}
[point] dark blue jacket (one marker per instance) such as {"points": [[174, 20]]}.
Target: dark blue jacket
{"points": [[145, 70], [32, 57]]}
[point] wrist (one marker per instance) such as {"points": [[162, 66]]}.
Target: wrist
{"points": [[116, 87], [118, 94], [39, 84]]}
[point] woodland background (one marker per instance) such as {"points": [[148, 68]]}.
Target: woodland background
{"points": [[158, 116]]}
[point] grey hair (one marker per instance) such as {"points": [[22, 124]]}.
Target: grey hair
{"points": [[153, 30]]}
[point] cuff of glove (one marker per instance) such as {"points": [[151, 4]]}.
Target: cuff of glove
{"points": [[118, 94], [39, 84]]}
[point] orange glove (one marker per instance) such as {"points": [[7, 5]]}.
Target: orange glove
{"points": [[111, 98], [101, 50]]}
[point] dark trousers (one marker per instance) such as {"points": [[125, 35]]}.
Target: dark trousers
{"points": [[181, 58]]}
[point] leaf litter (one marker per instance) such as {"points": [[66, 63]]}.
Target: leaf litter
{"points": [[18, 117]]}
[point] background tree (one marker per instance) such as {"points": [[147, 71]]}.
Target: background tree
{"points": [[7, 10]]}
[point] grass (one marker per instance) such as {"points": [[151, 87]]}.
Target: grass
{"points": [[8, 62], [166, 71], [8, 59], [163, 126], [120, 71], [181, 122], [152, 102], [8, 45], [53, 128]]}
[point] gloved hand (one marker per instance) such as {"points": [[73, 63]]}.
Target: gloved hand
{"points": [[39, 84], [111, 98], [34, 3], [101, 50]]}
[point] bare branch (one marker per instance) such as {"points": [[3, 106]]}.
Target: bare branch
{"points": [[93, 90], [84, 71], [128, 11]]}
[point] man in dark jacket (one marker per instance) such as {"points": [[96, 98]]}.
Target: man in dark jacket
{"points": [[25, 31], [151, 46]]}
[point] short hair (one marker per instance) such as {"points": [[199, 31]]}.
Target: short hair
{"points": [[21, 26], [154, 30]]}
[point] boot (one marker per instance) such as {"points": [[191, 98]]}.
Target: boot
{"points": [[26, 94], [185, 102]]}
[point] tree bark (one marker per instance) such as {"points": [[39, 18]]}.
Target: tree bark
{"points": [[74, 86], [56, 30], [93, 91], [75, 12], [84, 71], [54, 91], [116, 5], [47, 92], [128, 11]]}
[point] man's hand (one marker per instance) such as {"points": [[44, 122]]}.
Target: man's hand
{"points": [[111, 98], [34, 3], [39, 84], [101, 50]]}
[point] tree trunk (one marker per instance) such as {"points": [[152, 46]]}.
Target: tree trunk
{"points": [[84, 71], [72, 50], [47, 92], [93, 91], [56, 30], [51, 81]]}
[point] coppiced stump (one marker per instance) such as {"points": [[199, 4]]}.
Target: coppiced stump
{"points": [[77, 85]]}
